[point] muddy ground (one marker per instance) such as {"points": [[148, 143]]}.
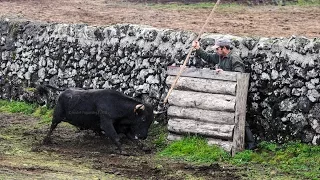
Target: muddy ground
{"points": [[74, 154], [264, 20]]}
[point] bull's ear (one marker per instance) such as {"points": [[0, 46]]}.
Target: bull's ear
{"points": [[138, 108]]}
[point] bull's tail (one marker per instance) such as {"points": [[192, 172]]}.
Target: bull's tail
{"points": [[55, 88], [44, 89]]}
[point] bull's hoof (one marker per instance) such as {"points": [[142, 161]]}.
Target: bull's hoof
{"points": [[146, 149], [46, 141], [125, 153]]}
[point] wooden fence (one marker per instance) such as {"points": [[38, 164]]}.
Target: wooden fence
{"points": [[209, 104]]}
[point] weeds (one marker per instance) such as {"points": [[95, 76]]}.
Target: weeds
{"points": [[293, 159]]}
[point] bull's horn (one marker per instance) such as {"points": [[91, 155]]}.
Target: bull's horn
{"points": [[139, 106]]}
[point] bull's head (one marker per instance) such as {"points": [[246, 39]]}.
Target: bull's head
{"points": [[144, 118]]}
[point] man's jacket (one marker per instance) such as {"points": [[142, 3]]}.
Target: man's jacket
{"points": [[231, 62]]}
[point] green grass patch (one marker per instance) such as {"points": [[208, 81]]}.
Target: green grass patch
{"points": [[42, 112], [293, 159], [16, 107], [195, 149]]}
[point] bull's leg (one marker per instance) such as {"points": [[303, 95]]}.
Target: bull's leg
{"points": [[52, 127], [107, 126], [57, 118]]}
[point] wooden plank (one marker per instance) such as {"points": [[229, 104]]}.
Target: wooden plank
{"points": [[226, 145], [204, 85], [207, 101], [203, 73], [185, 126], [216, 117], [240, 113]]}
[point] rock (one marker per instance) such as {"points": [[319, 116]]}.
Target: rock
{"points": [[153, 79], [52, 71], [316, 140], [265, 76], [313, 95], [42, 73], [274, 74], [304, 104], [287, 105], [315, 124]]}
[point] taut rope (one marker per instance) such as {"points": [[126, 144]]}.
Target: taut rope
{"points": [[190, 51]]}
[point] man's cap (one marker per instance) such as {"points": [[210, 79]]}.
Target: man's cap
{"points": [[221, 42]]}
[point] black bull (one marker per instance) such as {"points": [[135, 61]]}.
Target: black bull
{"points": [[104, 111]]}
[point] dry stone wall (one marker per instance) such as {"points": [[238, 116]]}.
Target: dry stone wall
{"points": [[283, 101], [129, 58]]}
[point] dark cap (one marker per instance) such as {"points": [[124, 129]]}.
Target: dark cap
{"points": [[222, 42]]}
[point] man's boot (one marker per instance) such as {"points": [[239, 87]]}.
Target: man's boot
{"points": [[249, 140]]}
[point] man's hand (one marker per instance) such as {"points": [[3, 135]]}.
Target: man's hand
{"points": [[219, 70], [196, 44]]}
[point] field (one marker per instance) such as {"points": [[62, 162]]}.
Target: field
{"points": [[241, 20]]}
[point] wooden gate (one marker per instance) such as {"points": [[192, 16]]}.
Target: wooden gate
{"points": [[209, 104]]}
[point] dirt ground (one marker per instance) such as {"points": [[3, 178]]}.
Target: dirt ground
{"points": [[80, 155], [261, 21]]}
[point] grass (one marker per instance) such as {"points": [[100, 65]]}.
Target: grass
{"points": [[16, 107], [159, 134], [291, 160], [42, 112], [194, 149]]}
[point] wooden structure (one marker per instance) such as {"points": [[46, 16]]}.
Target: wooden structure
{"points": [[209, 104]]}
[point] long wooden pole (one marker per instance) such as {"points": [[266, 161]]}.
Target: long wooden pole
{"points": [[190, 51]]}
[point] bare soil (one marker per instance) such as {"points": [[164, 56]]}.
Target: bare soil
{"points": [[261, 21], [74, 154]]}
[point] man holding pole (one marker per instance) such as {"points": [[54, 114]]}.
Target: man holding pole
{"points": [[225, 59]]}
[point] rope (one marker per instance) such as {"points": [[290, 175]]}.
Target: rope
{"points": [[190, 51]]}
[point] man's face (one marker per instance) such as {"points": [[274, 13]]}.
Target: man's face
{"points": [[222, 51], [219, 50]]}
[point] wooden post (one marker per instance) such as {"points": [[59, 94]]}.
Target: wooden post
{"points": [[240, 113]]}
